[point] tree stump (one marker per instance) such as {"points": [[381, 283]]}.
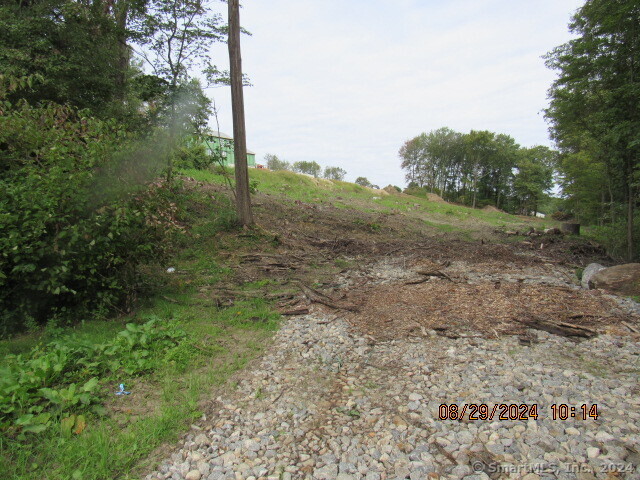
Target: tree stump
{"points": [[571, 228]]}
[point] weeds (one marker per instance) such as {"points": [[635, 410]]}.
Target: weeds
{"points": [[57, 379]]}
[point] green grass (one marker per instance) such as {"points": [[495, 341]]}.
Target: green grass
{"points": [[345, 195], [163, 404]]}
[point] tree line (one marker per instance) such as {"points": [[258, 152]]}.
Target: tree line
{"points": [[479, 168]]}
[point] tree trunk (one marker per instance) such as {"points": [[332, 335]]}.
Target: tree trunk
{"points": [[243, 199], [121, 12], [611, 205], [630, 223], [475, 188], [172, 140]]}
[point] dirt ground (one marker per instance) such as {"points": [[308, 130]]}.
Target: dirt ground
{"points": [[392, 276]]}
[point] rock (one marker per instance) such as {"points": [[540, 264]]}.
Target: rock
{"points": [[603, 436], [621, 279], [328, 472], [201, 439], [344, 476], [589, 272], [193, 475], [260, 438], [587, 476]]}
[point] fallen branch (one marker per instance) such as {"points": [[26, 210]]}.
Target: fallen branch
{"points": [[633, 329], [429, 274], [561, 328], [418, 282], [319, 297], [168, 299], [297, 311], [577, 327]]}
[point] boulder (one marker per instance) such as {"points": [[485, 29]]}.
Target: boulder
{"points": [[621, 279], [589, 272]]}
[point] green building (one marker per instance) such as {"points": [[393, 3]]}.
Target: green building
{"points": [[216, 140]]}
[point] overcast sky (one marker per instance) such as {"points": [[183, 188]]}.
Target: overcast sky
{"points": [[346, 82]]}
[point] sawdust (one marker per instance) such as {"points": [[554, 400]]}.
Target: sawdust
{"points": [[487, 308]]}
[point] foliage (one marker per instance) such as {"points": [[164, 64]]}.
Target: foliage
{"points": [[58, 380], [477, 168], [75, 229], [274, 163], [334, 173], [310, 168], [193, 154], [595, 112], [534, 178], [363, 182], [57, 39], [178, 35]]}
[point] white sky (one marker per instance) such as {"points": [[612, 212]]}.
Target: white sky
{"points": [[346, 82]]}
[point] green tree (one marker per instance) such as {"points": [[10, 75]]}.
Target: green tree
{"points": [[334, 173], [310, 168], [274, 163], [595, 101], [72, 45], [534, 177], [480, 148], [363, 182], [412, 154], [177, 36]]}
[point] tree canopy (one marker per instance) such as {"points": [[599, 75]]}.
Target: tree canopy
{"points": [[595, 112], [479, 168]]}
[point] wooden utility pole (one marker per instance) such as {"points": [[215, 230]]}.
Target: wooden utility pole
{"points": [[243, 199]]}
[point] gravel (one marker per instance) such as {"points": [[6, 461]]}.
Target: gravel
{"points": [[329, 403]]}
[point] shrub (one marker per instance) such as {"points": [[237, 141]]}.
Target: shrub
{"points": [[334, 173], [363, 182], [73, 231], [193, 155]]}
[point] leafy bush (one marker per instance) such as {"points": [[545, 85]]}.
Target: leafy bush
{"points": [[73, 231], [193, 155], [61, 379]]}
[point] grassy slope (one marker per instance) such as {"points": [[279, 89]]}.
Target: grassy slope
{"points": [[446, 217]]}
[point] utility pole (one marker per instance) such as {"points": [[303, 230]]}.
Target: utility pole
{"points": [[243, 199]]}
